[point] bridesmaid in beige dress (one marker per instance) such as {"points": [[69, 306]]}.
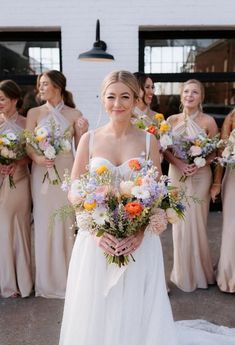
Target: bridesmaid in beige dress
{"points": [[226, 266], [52, 247], [192, 267], [15, 204]]}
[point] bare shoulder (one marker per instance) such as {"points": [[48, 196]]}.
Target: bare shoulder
{"points": [[36, 111], [208, 119], [73, 112], [22, 121]]}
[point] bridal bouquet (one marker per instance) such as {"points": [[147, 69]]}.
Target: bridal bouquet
{"points": [[156, 126], [49, 142], [195, 149], [228, 154], [123, 207], [12, 148]]}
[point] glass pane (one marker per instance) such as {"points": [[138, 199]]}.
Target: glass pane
{"points": [[189, 55], [219, 99], [23, 58]]}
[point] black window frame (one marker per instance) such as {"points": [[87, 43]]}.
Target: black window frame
{"points": [[36, 36], [145, 35]]}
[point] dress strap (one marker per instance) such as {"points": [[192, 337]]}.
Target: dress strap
{"points": [[147, 144], [91, 142]]}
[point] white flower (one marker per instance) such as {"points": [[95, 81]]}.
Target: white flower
{"points": [[172, 215], [126, 187], [226, 152], [5, 152], [6, 141], [84, 221], [165, 141], [199, 162], [11, 154], [50, 152], [140, 192], [11, 136], [66, 145], [100, 215], [195, 150], [41, 132]]}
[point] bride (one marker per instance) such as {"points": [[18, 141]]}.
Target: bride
{"points": [[105, 304]]}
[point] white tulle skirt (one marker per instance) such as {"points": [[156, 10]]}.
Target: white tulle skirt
{"points": [[106, 305]]}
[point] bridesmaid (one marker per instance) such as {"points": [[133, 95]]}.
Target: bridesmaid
{"points": [[52, 248], [15, 204], [226, 266], [192, 267], [144, 101]]}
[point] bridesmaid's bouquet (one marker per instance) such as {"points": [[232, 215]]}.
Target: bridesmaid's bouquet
{"points": [[156, 126], [195, 149], [120, 207], [12, 148], [228, 154], [49, 141]]}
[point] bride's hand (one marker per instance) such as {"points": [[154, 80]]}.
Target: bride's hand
{"points": [[107, 243], [129, 244]]}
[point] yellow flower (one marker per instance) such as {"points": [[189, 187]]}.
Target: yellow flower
{"points": [[197, 142], [39, 138], [164, 127], [89, 205], [1, 141], [159, 117], [101, 169]]}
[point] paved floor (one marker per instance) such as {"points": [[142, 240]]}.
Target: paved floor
{"points": [[36, 321]]}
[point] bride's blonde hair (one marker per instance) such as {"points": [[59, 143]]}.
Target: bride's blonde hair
{"points": [[124, 77]]}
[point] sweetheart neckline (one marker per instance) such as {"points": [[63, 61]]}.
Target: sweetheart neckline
{"points": [[116, 166]]}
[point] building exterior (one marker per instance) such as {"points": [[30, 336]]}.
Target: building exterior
{"points": [[120, 23]]}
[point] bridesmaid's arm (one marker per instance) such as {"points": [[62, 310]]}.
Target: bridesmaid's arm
{"points": [[218, 173], [154, 154], [80, 126]]}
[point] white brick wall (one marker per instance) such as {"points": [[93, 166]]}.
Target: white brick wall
{"points": [[120, 21]]}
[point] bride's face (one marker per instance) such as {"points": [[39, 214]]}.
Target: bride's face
{"points": [[119, 101]]}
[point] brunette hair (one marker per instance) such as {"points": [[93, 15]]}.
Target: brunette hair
{"points": [[124, 77], [59, 81], [12, 91], [141, 78]]}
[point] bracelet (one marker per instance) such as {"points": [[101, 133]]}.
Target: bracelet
{"points": [[216, 184]]}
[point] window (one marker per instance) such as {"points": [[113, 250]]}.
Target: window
{"points": [[171, 57], [24, 55]]}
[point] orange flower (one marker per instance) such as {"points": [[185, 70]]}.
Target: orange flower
{"points": [[133, 209], [134, 164], [152, 129], [139, 181]]}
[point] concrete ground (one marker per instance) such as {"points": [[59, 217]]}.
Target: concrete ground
{"points": [[37, 321]]}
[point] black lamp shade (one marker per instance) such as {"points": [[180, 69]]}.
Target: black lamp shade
{"points": [[98, 52]]}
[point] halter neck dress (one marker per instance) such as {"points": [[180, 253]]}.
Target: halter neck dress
{"points": [[192, 265], [53, 247], [15, 230]]}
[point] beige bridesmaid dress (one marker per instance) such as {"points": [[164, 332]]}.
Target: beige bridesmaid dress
{"points": [[192, 265], [226, 265], [15, 211], [53, 247]]}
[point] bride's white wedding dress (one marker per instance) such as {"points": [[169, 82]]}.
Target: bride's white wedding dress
{"points": [[108, 305]]}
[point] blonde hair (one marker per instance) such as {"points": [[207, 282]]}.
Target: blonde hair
{"points": [[124, 77], [199, 84]]}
